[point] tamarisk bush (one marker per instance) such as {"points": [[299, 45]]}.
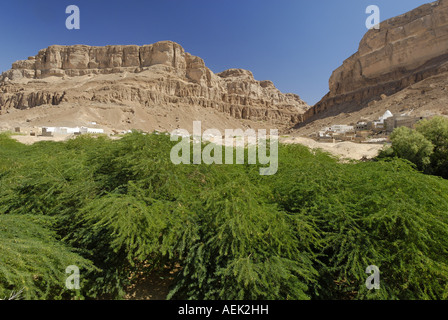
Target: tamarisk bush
{"points": [[245, 248], [117, 208], [426, 146], [33, 261], [377, 213]]}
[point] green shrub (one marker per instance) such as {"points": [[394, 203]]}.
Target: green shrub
{"points": [[426, 146], [34, 260], [377, 213], [245, 248], [413, 146], [123, 233], [120, 207], [436, 131]]}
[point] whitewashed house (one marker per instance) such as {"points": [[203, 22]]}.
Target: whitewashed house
{"points": [[67, 130]]}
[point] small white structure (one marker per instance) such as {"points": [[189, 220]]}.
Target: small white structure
{"points": [[361, 125], [342, 128], [180, 133], [379, 124], [94, 130], [324, 134], [377, 140], [338, 128], [76, 130], [385, 116]]}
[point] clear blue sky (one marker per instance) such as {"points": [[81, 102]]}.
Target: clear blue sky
{"points": [[295, 43]]}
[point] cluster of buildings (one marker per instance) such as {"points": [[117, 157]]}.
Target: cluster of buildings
{"points": [[384, 126], [51, 131]]}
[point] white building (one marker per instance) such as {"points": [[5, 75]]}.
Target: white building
{"points": [[76, 130], [94, 130], [385, 116], [338, 128]]}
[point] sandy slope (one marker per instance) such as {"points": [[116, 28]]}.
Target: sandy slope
{"points": [[345, 150], [348, 150]]}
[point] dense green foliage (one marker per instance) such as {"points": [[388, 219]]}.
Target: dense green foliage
{"points": [[32, 259], [436, 131], [426, 146], [411, 145], [117, 208]]}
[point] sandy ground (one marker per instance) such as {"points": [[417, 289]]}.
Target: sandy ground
{"points": [[154, 287], [25, 139], [346, 149]]}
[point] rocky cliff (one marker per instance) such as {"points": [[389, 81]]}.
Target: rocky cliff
{"points": [[159, 75], [405, 50]]}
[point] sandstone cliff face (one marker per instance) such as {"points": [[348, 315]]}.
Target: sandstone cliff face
{"points": [[158, 74], [405, 50], [82, 60]]}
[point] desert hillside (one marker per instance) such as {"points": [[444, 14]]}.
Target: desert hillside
{"points": [[424, 99], [405, 50], [154, 87]]}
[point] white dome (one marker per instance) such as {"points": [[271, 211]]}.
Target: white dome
{"points": [[386, 115]]}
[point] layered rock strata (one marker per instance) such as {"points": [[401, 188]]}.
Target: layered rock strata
{"points": [[157, 74], [405, 50]]}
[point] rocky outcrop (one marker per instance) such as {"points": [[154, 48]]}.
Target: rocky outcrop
{"points": [[405, 50], [157, 74], [82, 60]]}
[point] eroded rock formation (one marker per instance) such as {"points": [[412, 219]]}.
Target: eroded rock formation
{"points": [[158, 74], [405, 50]]}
